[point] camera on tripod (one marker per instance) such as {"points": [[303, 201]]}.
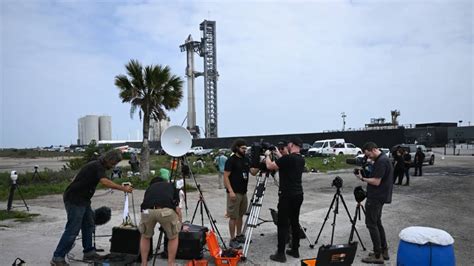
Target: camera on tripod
{"points": [[337, 182], [257, 152]]}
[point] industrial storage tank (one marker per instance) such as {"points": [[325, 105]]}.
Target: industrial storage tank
{"points": [[105, 127], [89, 127]]}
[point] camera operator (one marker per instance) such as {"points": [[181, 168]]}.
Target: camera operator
{"points": [[236, 174], [160, 205], [290, 198], [379, 191], [77, 201]]}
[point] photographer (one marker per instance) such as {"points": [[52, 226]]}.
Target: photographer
{"points": [[379, 191], [236, 174], [77, 201], [290, 198]]}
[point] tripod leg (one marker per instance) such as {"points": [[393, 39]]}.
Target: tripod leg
{"points": [[325, 219], [353, 222], [195, 210], [10, 197], [160, 237], [21, 196], [305, 235]]}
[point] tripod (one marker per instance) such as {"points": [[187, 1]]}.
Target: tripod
{"points": [[36, 176], [354, 221], [335, 199], [14, 186], [253, 211]]}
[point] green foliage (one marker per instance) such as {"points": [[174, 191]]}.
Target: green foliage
{"points": [[50, 182], [332, 163], [17, 215]]}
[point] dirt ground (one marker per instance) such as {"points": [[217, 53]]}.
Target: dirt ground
{"points": [[442, 198]]}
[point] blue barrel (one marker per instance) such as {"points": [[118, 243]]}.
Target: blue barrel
{"points": [[417, 248], [427, 254]]}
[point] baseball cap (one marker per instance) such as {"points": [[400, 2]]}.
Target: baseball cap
{"points": [[282, 143], [296, 141]]}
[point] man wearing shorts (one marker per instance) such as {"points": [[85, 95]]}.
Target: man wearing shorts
{"points": [[236, 174], [160, 205]]}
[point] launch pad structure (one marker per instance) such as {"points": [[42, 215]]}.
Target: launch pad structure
{"points": [[206, 49]]}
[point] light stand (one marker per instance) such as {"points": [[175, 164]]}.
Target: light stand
{"points": [[13, 186]]}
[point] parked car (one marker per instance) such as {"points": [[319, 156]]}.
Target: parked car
{"points": [[411, 148], [343, 149], [199, 151], [321, 147]]}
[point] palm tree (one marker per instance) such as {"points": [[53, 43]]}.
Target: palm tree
{"points": [[153, 90]]}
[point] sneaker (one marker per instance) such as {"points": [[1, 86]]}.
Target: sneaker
{"points": [[293, 253], [371, 258], [235, 244], [280, 257], [92, 256], [384, 254], [240, 238], [59, 262]]}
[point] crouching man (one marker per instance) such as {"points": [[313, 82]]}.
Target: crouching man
{"points": [[160, 205]]}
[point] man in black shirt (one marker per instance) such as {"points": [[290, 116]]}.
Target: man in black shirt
{"points": [[236, 174], [379, 192], [290, 198], [77, 200], [160, 205], [419, 158]]}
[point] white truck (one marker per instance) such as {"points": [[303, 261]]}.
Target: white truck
{"points": [[199, 151], [323, 147], [344, 149]]}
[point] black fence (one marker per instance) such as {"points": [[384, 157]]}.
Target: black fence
{"points": [[383, 138], [429, 136]]}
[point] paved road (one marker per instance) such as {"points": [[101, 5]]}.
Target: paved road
{"points": [[442, 198]]}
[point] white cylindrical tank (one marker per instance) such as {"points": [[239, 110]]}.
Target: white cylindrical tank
{"points": [[105, 127], [90, 129], [80, 130]]}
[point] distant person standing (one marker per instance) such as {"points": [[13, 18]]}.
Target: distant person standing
{"points": [[219, 161], [399, 166], [419, 158], [134, 164], [407, 161]]}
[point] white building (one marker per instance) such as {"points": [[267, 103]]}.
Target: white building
{"points": [[93, 127], [157, 128]]}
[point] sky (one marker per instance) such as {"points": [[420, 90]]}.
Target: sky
{"points": [[284, 66]]}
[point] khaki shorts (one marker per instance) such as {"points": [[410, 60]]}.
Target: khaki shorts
{"points": [[166, 217], [236, 208]]}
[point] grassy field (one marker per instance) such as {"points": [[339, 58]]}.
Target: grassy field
{"points": [[19, 216]]}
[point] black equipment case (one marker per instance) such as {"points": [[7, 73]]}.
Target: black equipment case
{"points": [[340, 255], [191, 243], [126, 240]]}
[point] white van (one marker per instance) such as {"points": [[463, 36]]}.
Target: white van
{"points": [[321, 147]]}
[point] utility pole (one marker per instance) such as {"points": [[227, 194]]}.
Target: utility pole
{"points": [[343, 115]]}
